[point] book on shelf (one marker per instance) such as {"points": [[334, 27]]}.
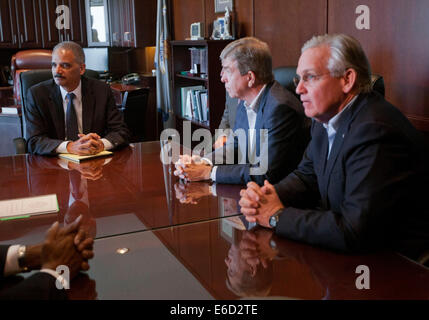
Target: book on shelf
{"points": [[204, 106], [11, 110], [187, 108], [78, 158]]}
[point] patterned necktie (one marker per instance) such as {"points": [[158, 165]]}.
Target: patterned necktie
{"points": [[71, 119]]}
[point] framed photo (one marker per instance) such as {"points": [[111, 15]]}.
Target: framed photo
{"points": [[218, 28], [220, 5]]}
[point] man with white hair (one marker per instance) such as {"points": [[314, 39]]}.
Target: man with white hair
{"points": [[358, 186]]}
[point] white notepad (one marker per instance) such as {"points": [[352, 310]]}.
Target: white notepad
{"points": [[28, 206]]}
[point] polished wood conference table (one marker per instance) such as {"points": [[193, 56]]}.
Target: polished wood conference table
{"points": [[127, 192], [157, 238]]}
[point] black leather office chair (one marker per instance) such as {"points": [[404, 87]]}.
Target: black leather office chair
{"points": [[134, 107], [284, 76], [27, 80]]}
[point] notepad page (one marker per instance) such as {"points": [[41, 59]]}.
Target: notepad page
{"points": [[29, 206]]}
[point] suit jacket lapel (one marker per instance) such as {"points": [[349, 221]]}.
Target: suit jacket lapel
{"points": [[57, 111], [259, 115], [88, 106], [340, 136]]}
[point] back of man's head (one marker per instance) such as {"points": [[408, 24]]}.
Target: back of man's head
{"points": [[73, 47], [346, 52], [251, 54]]}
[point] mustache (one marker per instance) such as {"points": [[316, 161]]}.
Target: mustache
{"points": [[58, 76]]}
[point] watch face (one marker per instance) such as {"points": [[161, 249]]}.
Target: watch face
{"points": [[273, 221]]}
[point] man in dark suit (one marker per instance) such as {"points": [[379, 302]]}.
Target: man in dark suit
{"points": [[72, 113], [269, 124], [360, 183], [67, 246]]}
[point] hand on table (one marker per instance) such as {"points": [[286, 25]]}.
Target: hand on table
{"points": [[86, 144], [258, 204], [192, 168]]}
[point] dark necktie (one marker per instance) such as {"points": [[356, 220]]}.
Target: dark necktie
{"points": [[71, 119]]}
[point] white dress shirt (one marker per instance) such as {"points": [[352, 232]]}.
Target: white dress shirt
{"points": [[12, 267], [77, 104], [251, 111], [334, 123]]}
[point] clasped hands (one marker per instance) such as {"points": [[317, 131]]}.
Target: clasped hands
{"points": [[192, 168], [87, 144], [258, 204], [70, 246]]}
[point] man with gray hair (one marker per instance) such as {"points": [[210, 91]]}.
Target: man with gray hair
{"points": [[270, 118], [72, 113], [358, 186]]}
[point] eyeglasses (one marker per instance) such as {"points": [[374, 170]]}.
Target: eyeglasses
{"points": [[308, 78]]}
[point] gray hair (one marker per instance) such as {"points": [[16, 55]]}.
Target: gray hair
{"points": [[346, 52], [73, 47], [251, 54]]}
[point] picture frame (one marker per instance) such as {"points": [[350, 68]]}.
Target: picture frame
{"points": [[218, 28], [220, 5]]}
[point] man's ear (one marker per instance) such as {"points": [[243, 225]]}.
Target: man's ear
{"points": [[349, 80], [82, 68], [252, 79]]}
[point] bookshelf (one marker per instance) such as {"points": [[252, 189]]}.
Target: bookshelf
{"points": [[181, 62]]}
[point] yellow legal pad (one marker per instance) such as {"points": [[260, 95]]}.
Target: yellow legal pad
{"points": [[77, 158]]}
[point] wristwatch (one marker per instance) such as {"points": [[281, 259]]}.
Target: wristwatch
{"points": [[21, 258], [275, 218]]}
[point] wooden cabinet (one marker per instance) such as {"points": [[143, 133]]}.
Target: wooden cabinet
{"points": [[132, 23], [28, 24], [20, 24], [51, 35], [8, 30], [77, 30], [10, 128], [181, 57], [77, 26]]}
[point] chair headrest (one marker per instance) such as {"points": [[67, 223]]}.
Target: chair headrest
{"points": [[284, 76], [33, 59], [377, 84]]}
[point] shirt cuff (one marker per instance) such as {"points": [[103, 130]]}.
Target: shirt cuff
{"points": [[107, 144], [57, 277], [212, 189], [11, 266], [213, 173], [207, 160], [62, 148]]}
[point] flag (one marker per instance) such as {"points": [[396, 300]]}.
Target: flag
{"points": [[162, 64]]}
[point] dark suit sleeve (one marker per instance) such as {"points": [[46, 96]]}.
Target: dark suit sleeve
{"points": [[116, 130], [366, 188], [40, 286], [285, 147], [3, 254], [37, 128]]}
